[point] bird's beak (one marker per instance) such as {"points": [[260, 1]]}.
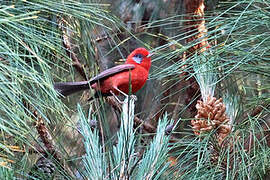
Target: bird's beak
{"points": [[149, 55]]}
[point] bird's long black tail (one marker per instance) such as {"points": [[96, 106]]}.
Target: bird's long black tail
{"points": [[67, 88]]}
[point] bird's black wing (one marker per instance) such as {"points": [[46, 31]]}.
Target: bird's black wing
{"points": [[112, 71], [67, 88]]}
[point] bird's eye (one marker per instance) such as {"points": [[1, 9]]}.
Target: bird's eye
{"points": [[138, 58]]}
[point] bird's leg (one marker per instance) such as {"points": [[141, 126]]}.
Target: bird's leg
{"points": [[121, 102], [131, 96], [121, 92]]}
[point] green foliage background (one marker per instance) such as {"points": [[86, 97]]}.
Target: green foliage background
{"points": [[33, 57]]}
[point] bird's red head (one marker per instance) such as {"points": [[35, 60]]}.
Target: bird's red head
{"points": [[141, 57]]}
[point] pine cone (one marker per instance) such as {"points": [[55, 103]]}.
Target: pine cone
{"points": [[44, 168], [211, 115]]}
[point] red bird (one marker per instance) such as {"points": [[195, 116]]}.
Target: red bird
{"points": [[115, 80]]}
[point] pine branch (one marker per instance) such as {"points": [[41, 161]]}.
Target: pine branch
{"points": [[196, 32], [138, 122], [125, 162], [50, 149], [66, 34]]}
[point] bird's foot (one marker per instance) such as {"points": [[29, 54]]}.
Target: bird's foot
{"points": [[133, 97]]}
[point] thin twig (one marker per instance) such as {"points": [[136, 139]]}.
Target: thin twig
{"points": [[256, 111], [69, 48]]}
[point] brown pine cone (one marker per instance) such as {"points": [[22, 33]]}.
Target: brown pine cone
{"points": [[211, 115]]}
